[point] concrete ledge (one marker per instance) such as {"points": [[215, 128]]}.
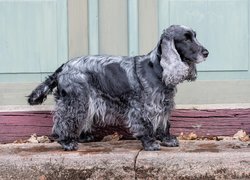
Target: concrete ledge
{"points": [[25, 108], [126, 160]]}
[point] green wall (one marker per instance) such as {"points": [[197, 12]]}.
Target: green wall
{"points": [[36, 36], [34, 33], [33, 38], [222, 26]]}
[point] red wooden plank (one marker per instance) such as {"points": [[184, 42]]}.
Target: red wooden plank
{"points": [[23, 129], [204, 133], [20, 125], [211, 113], [208, 123], [211, 120], [22, 120]]}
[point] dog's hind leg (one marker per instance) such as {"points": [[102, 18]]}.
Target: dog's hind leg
{"points": [[142, 130], [68, 121]]}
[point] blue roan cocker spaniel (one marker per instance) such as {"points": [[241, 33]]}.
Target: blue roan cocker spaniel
{"points": [[137, 92]]}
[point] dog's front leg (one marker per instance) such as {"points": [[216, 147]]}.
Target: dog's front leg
{"points": [[165, 137], [86, 137], [142, 129]]}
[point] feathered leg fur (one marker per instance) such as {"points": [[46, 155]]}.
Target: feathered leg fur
{"points": [[142, 128], [68, 121]]}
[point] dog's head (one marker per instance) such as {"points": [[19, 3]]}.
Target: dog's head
{"points": [[186, 44], [180, 51]]}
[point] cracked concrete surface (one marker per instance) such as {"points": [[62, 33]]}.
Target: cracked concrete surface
{"points": [[126, 160]]}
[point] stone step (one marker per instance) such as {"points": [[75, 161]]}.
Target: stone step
{"points": [[126, 160]]}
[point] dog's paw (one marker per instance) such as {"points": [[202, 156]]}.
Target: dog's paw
{"points": [[170, 141], [151, 146], [69, 146], [84, 138]]}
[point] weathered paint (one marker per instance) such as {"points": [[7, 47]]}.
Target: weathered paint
{"points": [[78, 28], [133, 27], [20, 125], [222, 26], [199, 92], [40, 35], [113, 24], [93, 26], [34, 38], [148, 25]]}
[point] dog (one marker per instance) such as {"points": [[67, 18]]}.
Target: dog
{"points": [[137, 92]]}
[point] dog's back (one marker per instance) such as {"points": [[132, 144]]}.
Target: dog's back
{"points": [[95, 71], [111, 75]]}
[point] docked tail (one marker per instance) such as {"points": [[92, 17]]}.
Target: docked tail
{"points": [[39, 94]]}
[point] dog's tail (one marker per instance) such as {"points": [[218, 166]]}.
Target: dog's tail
{"points": [[39, 95]]}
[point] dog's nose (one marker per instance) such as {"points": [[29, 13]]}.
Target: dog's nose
{"points": [[205, 53]]}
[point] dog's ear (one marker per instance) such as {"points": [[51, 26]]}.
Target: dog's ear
{"points": [[174, 70]]}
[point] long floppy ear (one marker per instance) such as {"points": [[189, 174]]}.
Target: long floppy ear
{"points": [[174, 70]]}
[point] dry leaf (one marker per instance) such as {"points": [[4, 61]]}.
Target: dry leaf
{"points": [[181, 136], [33, 139], [245, 138], [112, 137], [43, 139], [242, 136], [190, 136]]}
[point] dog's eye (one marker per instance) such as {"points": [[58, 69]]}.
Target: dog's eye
{"points": [[188, 37]]}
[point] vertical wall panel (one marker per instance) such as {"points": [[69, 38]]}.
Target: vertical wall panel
{"points": [[62, 33], [148, 25], [36, 36], [93, 26], [113, 27], [40, 34], [133, 29], [33, 35], [78, 27], [163, 15], [221, 25]]}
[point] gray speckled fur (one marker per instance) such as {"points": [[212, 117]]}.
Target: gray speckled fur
{"points": [[137, 92]]}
